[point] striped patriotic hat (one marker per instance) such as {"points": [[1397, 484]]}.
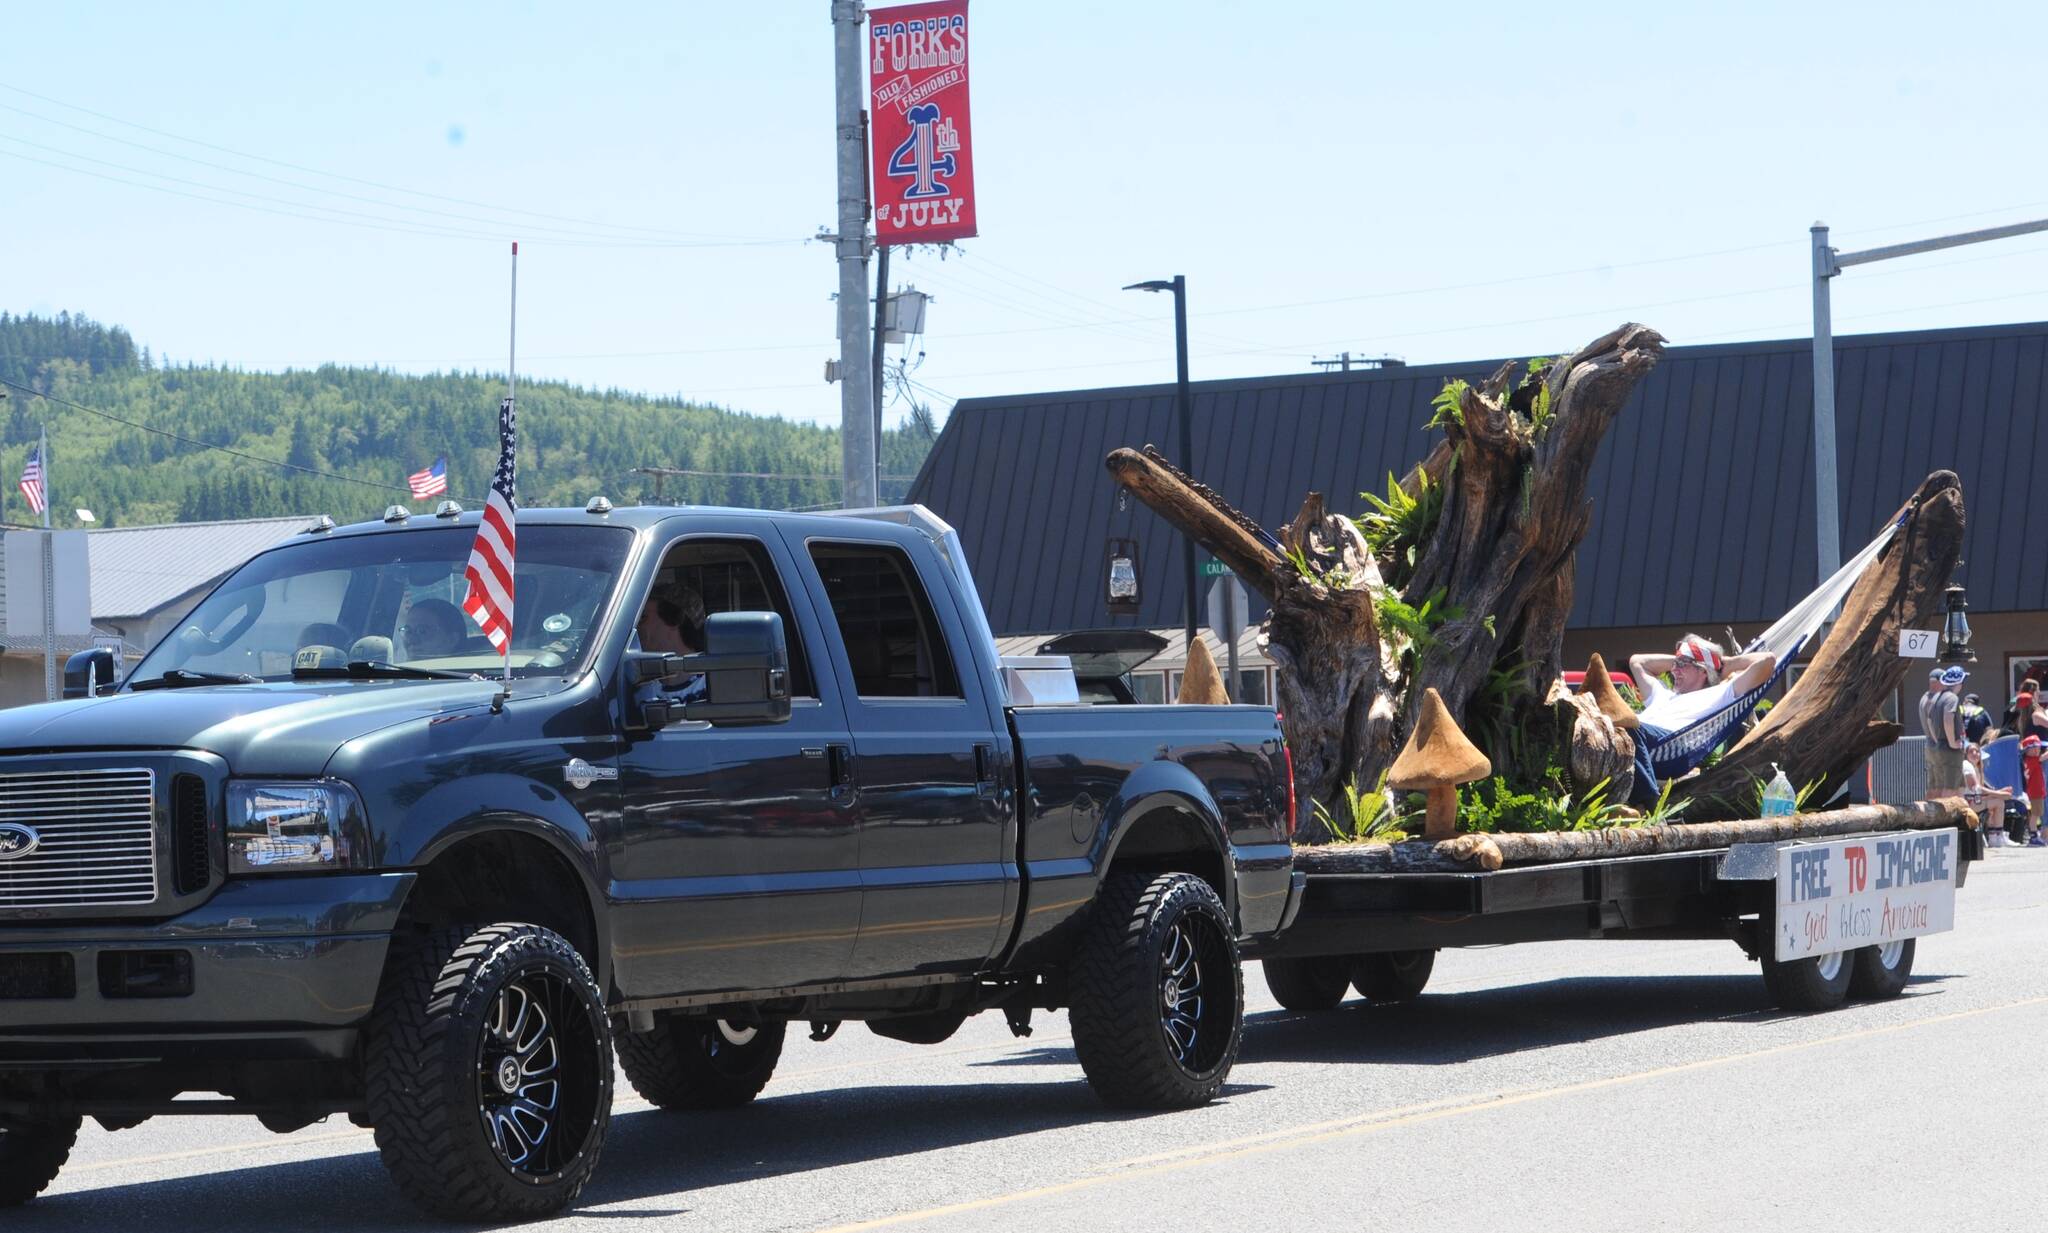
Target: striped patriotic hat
{"points": [[1700, 651]]}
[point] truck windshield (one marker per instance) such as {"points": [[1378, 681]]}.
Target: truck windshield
{"points": [[396, 598]]}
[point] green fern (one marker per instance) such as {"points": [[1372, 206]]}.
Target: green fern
{"points": [[1369, 817], [1447, 406]]}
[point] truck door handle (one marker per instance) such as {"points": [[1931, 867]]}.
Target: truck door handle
{"points": [[839, 759], [985, 770]]}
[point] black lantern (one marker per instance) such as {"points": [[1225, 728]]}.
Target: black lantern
{"points": [[1955, 627], [1120, 577]]}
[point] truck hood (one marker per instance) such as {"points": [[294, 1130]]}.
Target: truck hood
{"points": [[280, 728]]}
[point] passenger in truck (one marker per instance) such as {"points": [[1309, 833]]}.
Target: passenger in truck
{"points": [[432, 628]]}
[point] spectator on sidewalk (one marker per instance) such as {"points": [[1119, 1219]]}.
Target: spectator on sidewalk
{"points": [[1986, 802], [1976, 720], [1938, 722], [2034, 777], [2025, 716]]}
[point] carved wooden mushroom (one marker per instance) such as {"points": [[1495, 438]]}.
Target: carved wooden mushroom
{"points": [[1435, 761], [1600, 688]]}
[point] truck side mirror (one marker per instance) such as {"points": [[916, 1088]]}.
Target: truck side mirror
{"points": [[87, 673], [745, 666]]}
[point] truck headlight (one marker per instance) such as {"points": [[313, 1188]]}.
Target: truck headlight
{"points": [[293, 825]]}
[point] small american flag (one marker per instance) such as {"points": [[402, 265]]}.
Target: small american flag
{"points": [[32, 481], [489, 574], [431, 482]]}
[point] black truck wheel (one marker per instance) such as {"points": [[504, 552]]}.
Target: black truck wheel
{"points": [[489, 1072], [1318, 983], [31, 1153], [1158, 994], [1879, 972], [700, 1063], [1818, 982], [1396, 976]]}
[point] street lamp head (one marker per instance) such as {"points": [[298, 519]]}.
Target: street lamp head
{"points": [[1156, 284]]}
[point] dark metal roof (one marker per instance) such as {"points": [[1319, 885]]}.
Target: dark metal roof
{"points": [[1702, 494]]}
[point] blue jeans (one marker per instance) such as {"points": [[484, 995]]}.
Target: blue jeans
{"points": [[1643, 793]]}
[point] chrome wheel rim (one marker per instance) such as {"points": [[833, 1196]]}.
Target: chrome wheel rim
{"points": [[738, 1037], [1889, 954], [536, 1079], [1195, 1002], [1828, 966]]}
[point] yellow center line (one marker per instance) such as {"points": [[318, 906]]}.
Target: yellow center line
{"points": [[1295, 1137]]}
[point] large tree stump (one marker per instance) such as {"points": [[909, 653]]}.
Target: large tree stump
{"points": [[1498, 558], [1827, 725]]}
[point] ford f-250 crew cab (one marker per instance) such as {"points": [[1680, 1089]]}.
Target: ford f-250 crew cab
{"points": [[323, 851]]}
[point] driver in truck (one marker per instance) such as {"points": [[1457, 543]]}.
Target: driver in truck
{"points": [[672, 620]]}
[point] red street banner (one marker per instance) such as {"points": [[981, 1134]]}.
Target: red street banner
{"points": [[922, 168]]}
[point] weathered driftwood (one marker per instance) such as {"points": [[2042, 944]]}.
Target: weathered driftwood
{"points": [[1499, 555], [1471, 853], [1827, 725], [1332, 684]]}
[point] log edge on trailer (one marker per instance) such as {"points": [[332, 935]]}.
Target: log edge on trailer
{"points": [[1471, 853]]}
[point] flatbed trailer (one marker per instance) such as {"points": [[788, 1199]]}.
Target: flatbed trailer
{"points": [[1379, 932]]}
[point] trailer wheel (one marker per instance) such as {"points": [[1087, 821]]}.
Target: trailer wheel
{"points": [[489, 1072], [1157, 993], [31, 1154], [1396, 976], [1879, 972], [1818, 982], [701, 1063], [1308, 984]]}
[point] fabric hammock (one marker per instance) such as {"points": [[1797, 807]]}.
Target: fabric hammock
{"points": [[1674, 753]]}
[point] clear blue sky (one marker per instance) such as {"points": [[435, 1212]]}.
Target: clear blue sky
{"points": [[1433, 182]]}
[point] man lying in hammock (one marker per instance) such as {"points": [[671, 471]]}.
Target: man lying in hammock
{"points": [[1704, 681]]}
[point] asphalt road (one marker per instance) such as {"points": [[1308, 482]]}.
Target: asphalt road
{"points": [[1581, 1086]]}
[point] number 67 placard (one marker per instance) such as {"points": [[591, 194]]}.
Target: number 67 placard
{"points": [[1917, 643]]}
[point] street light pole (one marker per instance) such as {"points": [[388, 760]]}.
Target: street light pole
{"points": [[1828, 263], [1184, 413]]}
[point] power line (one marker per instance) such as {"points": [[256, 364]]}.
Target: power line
{"points": [[310, 188], [208, 445], [296, 209], [502, 209]]}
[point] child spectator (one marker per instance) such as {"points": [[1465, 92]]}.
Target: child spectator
{"points": [[1986, 802], [2035, 778]]}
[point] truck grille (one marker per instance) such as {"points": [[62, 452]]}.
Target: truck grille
{"points": [[95, 838]]}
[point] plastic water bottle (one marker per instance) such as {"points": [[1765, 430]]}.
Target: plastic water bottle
{"points": [[1779, 799]]}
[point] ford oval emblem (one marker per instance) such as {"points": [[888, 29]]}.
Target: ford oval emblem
{"points": [[17, 841]]}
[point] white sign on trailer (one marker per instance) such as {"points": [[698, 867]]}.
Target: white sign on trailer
{"points": [[1848, 893]]}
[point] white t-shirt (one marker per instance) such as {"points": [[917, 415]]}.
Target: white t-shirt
{"points": [[1670, 710]]}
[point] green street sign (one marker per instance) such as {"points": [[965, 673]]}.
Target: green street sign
{"points": [[1213, 568]]}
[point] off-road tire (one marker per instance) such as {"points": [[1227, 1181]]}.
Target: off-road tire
{"points": [[1818, 982], [1156, 1029], [691, 1064], [1318, 983], [430, 1037], [1396, 976], [1871, 979], [31, 1156]]}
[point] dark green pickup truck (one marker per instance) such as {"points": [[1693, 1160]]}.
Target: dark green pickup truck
{"points": [[324, 852]]}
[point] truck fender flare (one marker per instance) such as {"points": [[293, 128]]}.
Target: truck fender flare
{"points": [[1163, 785], [482, 804]]}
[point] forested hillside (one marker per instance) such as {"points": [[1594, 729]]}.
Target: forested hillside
{"points": [[368, 424]]}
